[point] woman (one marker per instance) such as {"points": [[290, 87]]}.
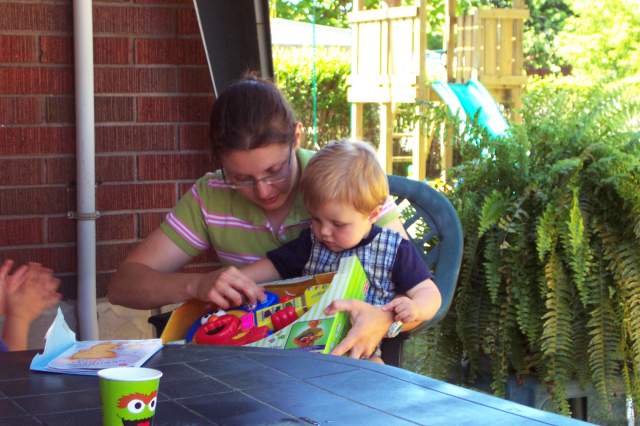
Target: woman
{"points": [[249, 206]]}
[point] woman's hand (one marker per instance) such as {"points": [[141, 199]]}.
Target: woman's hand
{"points": [[369, 325], [227, 288]]}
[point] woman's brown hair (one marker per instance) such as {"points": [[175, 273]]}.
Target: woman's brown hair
{"points": [[250, 113]]}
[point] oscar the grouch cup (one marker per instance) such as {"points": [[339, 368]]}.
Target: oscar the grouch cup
{"points": [[129, 395]]}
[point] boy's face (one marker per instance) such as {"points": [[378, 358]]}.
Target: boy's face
{"points": [[339, 226]]}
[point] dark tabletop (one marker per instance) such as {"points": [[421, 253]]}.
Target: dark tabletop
{"points": [[205, 385]]}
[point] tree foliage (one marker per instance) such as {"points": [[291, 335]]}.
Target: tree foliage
{"points": [[602, 39]]}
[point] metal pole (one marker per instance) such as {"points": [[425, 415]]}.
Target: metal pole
{"points": [[85, 159]]}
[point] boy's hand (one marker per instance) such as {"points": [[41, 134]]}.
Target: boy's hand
{"points": [[9, 281], [404, 309], [29, 291]]}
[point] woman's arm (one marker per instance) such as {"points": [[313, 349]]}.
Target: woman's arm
{"points": [[147, 279], [261, 271]]}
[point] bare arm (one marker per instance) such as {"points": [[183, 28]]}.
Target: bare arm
{"points": [[147, 279], [261, 271], [420, 304], [26, 294]]}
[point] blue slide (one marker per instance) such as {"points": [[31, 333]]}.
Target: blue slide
{"points": [[467, 100]]}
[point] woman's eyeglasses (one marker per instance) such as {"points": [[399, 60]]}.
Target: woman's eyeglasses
{"points": [[281, 175]]}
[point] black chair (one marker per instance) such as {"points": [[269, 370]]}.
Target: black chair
{"points": [[435, 229]]}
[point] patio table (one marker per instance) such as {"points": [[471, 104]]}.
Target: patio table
{"points": [[206, 385]]}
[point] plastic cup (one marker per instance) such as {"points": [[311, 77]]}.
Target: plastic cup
{"points": [[129, 394]]}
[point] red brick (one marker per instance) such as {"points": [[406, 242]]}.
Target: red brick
{"points": [[135, 80], [36, 140], [108, 169], [173, 166], [108, 227], [195, 80], [106, 50], [174, 109], [135, 138], [20, 110], [15, 232], [136, 196], [114, 108], [170, 51], [61, 170], [17, 49], [194, 137], [36, 17], [36, 80], [60, 259], [60, 109], [56, 50], [102, 282], [42, 200], [149, 222], [111, 50], [109, 256], [116, 227], [114, 168], [61, 229], [133, 20], [164, 1], [21, 171], [184, 187], [187, 22]]}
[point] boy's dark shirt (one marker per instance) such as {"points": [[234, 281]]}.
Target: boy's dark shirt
{"points": [[408, 270]]}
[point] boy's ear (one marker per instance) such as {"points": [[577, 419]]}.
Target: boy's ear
{"points": [[375, 213]]}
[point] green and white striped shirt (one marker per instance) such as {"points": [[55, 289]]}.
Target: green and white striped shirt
{"points": [[214, 216]]}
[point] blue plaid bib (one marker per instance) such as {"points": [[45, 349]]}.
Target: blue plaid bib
{"points": [[377, 258]]}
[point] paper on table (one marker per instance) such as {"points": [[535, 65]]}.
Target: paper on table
{"points": [[63, 354]]}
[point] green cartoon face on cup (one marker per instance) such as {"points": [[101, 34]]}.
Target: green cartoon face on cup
{"points": [[129, 395]]}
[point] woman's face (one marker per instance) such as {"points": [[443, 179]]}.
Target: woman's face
{"points": [[265, 176]]}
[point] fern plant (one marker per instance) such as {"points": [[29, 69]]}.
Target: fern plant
{"points": [[550, 280]]}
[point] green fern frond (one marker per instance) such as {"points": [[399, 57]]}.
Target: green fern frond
{"points": [[577, 247], [557, 346], [493, 208], [492, 265], [625, 265], [547, 232]]}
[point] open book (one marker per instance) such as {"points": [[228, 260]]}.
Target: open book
{"points": [[63, 354]]}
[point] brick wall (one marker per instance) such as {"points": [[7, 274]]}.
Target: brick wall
{"points": [[153, 96]]}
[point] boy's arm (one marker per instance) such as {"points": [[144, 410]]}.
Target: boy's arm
{"points": [[428, 299], [15, 332], [261, 271]]}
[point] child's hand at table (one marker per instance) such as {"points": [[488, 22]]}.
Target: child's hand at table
{"points": [[29, 291], [404, 309]]}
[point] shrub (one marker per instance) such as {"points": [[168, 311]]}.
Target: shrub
{"points": [[550, 280]]}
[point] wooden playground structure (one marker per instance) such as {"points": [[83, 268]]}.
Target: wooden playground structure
{"points": [[389, 66]]}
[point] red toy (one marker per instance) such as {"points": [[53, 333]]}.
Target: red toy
{"points": [[226, 330]]}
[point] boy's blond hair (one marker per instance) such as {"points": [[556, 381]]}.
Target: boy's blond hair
{"points": [[346, 172]]}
